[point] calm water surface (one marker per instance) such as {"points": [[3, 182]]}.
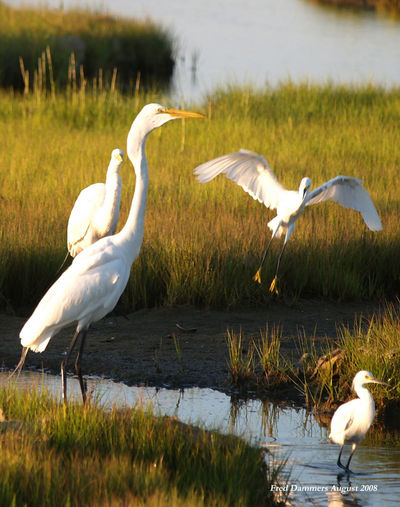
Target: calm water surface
{"points": [[288, 433], [259, 41]]}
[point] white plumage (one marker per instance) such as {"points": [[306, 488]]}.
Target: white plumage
{"points": [[352, 420], [87, 291], [91, 287], [252, 172], [96, 210]]}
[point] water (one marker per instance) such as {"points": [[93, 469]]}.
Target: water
{"points": [[259, 41], [288, 433]]}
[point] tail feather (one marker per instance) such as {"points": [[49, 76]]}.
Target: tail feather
{"points": [[273, 224], [37, 345], [34, 338]]}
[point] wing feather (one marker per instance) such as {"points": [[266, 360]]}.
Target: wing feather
{"points": [[342, 421], [86, 291], [249, 170], [350, 193]]}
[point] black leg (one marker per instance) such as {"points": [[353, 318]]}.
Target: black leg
{"points": [[265, 252], [78, 368], [339, 464], [273, 283], [21, 362], [348, 462], [64, 365], [279, 259], [257, 276]]}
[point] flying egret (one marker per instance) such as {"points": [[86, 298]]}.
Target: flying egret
{"points": [[352, 420], [252, 172], [96, 210], [90, 288]]}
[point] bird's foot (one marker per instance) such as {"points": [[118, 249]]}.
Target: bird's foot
{"points": [[257, 276], [272, 288]]}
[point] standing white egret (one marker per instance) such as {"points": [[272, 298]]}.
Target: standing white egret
{"points": [[252, 172], [96, 210], [91, 287], [352, 420]]}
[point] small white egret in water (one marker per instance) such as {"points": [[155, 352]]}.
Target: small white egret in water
{"points": [[96, 210], [252, 172], [352, 420], [91, 287]]}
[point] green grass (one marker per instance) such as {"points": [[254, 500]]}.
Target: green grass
{"points": [[326, 376], [240, 359], [203, 243], [87, 456], [322, 378], [256, 363], [372, 346], [384, 6], [45, 38]]}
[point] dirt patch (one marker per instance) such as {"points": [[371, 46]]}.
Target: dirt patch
{"points": [[141, 349]]}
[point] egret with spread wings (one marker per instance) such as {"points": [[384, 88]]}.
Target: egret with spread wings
{"points": [[91, 287], [252, 172], [352, 420]]}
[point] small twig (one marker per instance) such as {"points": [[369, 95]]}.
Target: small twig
{"points": [[185, 330]]}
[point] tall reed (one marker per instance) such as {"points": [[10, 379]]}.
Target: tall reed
{"points": [[203, 243]]}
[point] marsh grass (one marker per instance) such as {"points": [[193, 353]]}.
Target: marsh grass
{"points": [[315, 374], [240, 359], [79, 455], [325, 379], [203, 243], [381, 6], [256, 362], [373, 346], [44, 49], [322, 377], [275, 368]]}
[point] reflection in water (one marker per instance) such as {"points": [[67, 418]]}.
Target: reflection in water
{"points": [[288, 433], [343, 493], [232, 41]]}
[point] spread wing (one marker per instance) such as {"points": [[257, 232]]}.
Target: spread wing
{"points": [[85, 207], [249, 170], [350, 193]]}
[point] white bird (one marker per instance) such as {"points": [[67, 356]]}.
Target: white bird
{"points": [[352, 420], [91, 287], [252, 172], [96, 210]]}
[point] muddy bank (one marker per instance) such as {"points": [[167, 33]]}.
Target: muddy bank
{"points": [[141, 348]]}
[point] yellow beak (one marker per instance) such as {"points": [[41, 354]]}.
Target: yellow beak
{"points": [[181, 113], [118, 157]]}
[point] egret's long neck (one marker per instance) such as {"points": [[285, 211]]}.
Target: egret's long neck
{"points": [[302, 194], [107, 216], [131, 236], [364, 394]]}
